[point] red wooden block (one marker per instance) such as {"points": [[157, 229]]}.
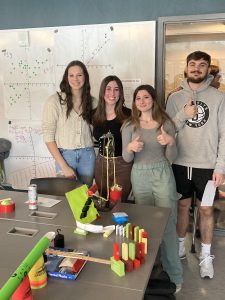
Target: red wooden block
{"points": [[129, 266], [116, 252], [137, 263], [132, 231], [142, 246], [144, 234], [138, 250]]}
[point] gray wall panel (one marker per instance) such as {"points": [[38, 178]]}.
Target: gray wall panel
{"points": [[45, 13]]}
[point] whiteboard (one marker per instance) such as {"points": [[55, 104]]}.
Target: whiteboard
{"points": [[32, 63]]}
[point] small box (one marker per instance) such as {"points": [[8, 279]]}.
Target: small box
{"points": [[120, 217], [64, 267]]}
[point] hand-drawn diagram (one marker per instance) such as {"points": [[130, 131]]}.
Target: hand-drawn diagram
{"points": [[29, 157], [32, 63], [29, 79]]}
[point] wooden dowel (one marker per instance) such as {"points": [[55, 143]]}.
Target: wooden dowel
{"points": [[77, 255]]}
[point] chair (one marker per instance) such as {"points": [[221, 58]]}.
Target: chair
{"points": [[2, 174], [5, 146], [56, 186]]}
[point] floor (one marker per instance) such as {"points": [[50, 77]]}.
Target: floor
{"points": [[194, 287]]}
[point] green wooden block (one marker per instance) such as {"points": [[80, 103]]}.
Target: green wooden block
{"points": [[136, 233], [80, 231], [132, 251], [128, 230], [117, 266]]}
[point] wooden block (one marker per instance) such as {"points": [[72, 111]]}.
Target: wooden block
{"points": [[124, 251], [131, 235], [136, 233], [132, 251], [117, 266], [140, 234], [129, 266], [142, 246], [145, 241], [116, 251], [128, 230], [137, 263], [138, 250], [144, 234], [107, 233]]}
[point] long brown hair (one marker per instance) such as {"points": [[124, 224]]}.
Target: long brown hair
{"points": [[86, 102], [158, 113], [100, 112]]}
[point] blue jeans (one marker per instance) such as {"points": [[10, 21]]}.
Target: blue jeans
{"points": [[82, 161]]}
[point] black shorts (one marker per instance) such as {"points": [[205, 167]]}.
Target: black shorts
{"points": [[197, 182]]}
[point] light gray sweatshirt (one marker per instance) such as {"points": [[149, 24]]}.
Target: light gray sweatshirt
{"points": [[201, 140]]}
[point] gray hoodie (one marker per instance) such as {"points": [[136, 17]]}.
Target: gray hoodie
{"points": [[201, 140]]}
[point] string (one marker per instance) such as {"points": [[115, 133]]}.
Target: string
{"points": [[114, 163], [107, 169], [112, 142]]}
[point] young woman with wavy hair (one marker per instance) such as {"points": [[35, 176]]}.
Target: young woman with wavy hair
{"points": [[108, 118], [66, 125], [149, 141]]}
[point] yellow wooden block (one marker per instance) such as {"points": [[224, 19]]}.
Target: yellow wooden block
{"points": [[140, 234], [124, 251]]}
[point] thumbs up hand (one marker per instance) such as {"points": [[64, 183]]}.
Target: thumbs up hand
{"points": [[164, 138], [190, 109], [136, 145]]}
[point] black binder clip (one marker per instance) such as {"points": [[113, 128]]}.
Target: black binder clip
{"points": [[59, 240]]}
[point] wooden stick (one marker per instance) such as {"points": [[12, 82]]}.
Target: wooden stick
{"points": [[77, 255]]}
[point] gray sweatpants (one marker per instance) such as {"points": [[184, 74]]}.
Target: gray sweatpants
{"points": [[154, 184]]}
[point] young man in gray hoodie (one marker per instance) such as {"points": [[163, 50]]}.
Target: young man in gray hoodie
{"points": [[198, 112]]}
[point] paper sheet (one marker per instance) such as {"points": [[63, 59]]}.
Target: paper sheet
{"points": [[46, 202], [209, 194]]}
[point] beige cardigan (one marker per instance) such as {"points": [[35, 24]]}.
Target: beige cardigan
{"points": [[68, 133]]}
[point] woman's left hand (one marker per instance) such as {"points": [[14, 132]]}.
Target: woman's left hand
{"points": [[164, 138]]}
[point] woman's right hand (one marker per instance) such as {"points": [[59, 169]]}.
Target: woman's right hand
{"points": [[68, 172], [136, 145]]}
